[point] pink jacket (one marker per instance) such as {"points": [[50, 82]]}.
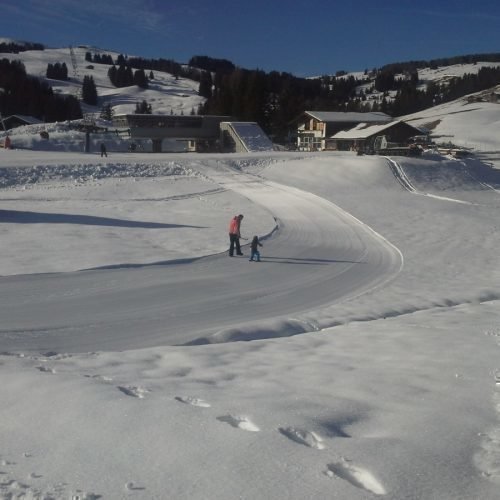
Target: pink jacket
{"points": [[234, 225]]}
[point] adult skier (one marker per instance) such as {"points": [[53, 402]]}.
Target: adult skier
{"points": [[235, 235]]}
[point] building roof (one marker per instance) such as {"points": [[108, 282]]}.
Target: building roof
{"points": [[252, 136], [28, 120], [349, 116], [365, 130]]}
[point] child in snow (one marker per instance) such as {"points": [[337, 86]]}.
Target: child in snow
{"points": [[254, 248]]}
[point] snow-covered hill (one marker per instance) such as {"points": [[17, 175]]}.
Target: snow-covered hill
{"points": [[166, 94], [440, 75]]}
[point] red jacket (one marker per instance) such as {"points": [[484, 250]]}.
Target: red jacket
{"points": [[234, 225]]}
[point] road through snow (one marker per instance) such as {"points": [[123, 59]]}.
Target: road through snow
{"points": [[317, 255]]}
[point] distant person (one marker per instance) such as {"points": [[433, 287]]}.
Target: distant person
{"points": [[235, 235], [254, 246], [103, 150]]}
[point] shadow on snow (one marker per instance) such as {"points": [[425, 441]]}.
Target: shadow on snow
{"points": [[20, 217]]}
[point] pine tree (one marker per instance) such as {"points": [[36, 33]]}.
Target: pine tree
{"points": [[140, 79], [143, 108], [89, 91], [205, 88], [112, 74], [107, 112]]}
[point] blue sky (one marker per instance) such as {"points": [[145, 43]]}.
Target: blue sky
{"points": [[300, 37]]}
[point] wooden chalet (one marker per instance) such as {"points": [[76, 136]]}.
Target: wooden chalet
{"points": [[315, 127], [363, 137]]}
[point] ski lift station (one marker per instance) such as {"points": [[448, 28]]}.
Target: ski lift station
{"points": [[201, 133]]}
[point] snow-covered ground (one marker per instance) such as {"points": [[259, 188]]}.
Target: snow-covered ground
{"points": [[359, 359], [372, 326]]}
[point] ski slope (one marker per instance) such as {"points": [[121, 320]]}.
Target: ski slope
{"points": [[316, 255]]}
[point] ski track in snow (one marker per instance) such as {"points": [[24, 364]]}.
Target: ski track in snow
{"points": [[403, 179], [313, 272]]}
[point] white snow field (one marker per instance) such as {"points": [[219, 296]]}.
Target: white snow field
{"points": [[372, 327], [359, 359]]}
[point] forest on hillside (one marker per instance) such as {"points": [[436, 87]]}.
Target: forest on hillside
{"points": [[28, 95], [272, 99]]}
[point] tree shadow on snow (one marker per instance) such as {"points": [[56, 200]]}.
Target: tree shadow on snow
{"points": [[19, 217]]}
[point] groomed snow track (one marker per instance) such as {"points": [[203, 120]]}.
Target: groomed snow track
{"points": [[211, 299]]}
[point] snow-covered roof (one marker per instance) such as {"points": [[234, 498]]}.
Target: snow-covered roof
{"points": [[348, 116], [29, 120], [363, 130]]}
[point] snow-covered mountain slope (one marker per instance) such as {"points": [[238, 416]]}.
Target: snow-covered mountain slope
{"points": [[166, 94]]}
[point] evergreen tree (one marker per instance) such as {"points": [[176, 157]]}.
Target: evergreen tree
{"points": [[89, 91], [205, 88], [143, 108], [140, 79], [128, 77], [57, 71], [112, 74], [107, 112], [384, 81], [27, 95], [121, 60]]}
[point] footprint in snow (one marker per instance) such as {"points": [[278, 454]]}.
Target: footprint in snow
{"points": [[133, 391], [130, 486], [193, 401], [307, 438], [357, 476], [100, 378], [45, 369], [81, 495], [242, 423]]}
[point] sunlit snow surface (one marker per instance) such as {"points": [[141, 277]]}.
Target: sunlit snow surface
{"points": [[359, 359]]}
